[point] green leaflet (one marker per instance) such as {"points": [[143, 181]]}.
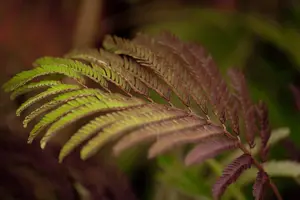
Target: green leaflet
{"points": [[101, 67], [47, 60], [112, 77], [88, 109], [55, 114], [51, 91], [99, 123], [74, 115], [116, 63], [76, 66], [89, 55], [116, 130], [26, 76], [63, 98], [33, 86], [84, 133], [143, 76], [107, 60], [142, 54]]}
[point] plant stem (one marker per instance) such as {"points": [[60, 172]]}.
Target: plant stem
{"points": [[255, 162], [275, 189], [260, 168]]}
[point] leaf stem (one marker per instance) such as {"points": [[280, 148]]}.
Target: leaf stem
{"points": [[255, 162], [260, 168], [275, 189]]}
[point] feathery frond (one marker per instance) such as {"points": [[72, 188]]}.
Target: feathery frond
{"points": [[123, 118], [231, 173], [33, 86], [133, 122], [77, 66], [259, 185], [113, 64], [64, 98], [24, 77], [199, 72], [265, 130], [52, 116], [51, 91], [172, 129], [95, 125], [247, 108], [148, 58], [200, 133], [90, 107], [210, 148]]}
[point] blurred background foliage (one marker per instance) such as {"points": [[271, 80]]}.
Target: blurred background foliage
{"points": [[262, 37]]}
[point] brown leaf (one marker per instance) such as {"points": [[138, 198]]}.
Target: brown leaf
{"points": [[231, 174], [209, 149], [158, 131], [239, 84], [259, 185], [199, 134], [265, 130]]}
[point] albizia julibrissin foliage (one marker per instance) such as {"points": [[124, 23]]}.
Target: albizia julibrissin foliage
{"points": [[124, 115]]}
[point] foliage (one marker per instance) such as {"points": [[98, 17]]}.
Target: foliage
{"points": [[195, 181], [129, 68], [265, 48]]}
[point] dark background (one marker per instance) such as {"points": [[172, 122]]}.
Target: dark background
{"points": [[260, 36]]}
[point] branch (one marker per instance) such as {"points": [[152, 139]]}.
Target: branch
{"points": [[260, 168]]}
